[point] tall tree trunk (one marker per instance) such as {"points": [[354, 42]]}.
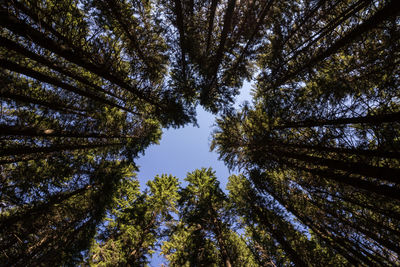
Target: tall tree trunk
{"points": [[26, 150], [11, 45], [56, 106], [369, 119], [37, 132], [73, 54], [381, 173], [211, 16], [390, 9], [56, 82]]}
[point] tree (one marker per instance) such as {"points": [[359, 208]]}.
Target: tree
{"points": [[214, 42], [87, 85], [133, 226], [273, 236], [321, 136], [51, 222], [204, 235]]}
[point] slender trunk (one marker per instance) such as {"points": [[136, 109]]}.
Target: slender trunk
{"points": [[358, 227], [381, 173], [353, 9], [27, 150], [391, 9], [221, 242], [37, 132], [56, 82], [383, 190], [221, 47], [39, 208], [213, 8], [388, 213], [291, 198], [266, 8], [73, 54], [369, 119], [54, 105], [115, 10], [11, 45], [278, 235], [355, 210], [334, 242], [181, 29], [304, 20], [342, 150]]}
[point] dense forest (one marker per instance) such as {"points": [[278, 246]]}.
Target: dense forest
{"points": [[87, 85]]}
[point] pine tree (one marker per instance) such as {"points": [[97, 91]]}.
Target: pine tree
{"points": [[203, 234], [133, 226], [321, 136], [51, 215]]}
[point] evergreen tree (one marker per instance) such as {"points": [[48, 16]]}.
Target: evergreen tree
{"points": [[133, 226], [87, 85], [204, 236], [273, 236], [52, 214], [321, 137]]}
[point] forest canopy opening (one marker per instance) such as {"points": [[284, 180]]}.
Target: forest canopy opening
{"points": [[86, 86]]}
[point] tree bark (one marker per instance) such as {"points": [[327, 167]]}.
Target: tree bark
{"points": [[369, 119], [11, 45], [72, 54], [27, 150], [54, 81]]}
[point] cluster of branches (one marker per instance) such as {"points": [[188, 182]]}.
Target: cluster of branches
{"points": [[81, 97], [87, 85], [192, 225], [320, 142]]}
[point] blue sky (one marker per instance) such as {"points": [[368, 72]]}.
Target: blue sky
{"points": [[183, 150]]}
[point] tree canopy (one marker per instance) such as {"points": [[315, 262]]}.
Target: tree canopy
{"points": [[87, 85]]}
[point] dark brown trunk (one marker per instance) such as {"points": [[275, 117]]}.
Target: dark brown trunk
{"points": [[244, 50], [335, 243], [54, 81], [369, 119], [383, 190], [279, 236], [381, 173], [72, 54], [56, 106], [221, 47], [115, 10], [353, 9], [213, 8], [358, 227], [37, 132], [342, 150], [40, 208], [11, 45], [388, 213], [181, 29], [27, 150], [391, 9]]}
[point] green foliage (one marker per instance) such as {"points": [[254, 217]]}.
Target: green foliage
{"points": [[203, 235], [133, 225], [87, 86]]}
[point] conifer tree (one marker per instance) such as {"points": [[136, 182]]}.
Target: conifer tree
{"points": [[133, 226], [203, 234], [321, 135], [52, 211]]}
